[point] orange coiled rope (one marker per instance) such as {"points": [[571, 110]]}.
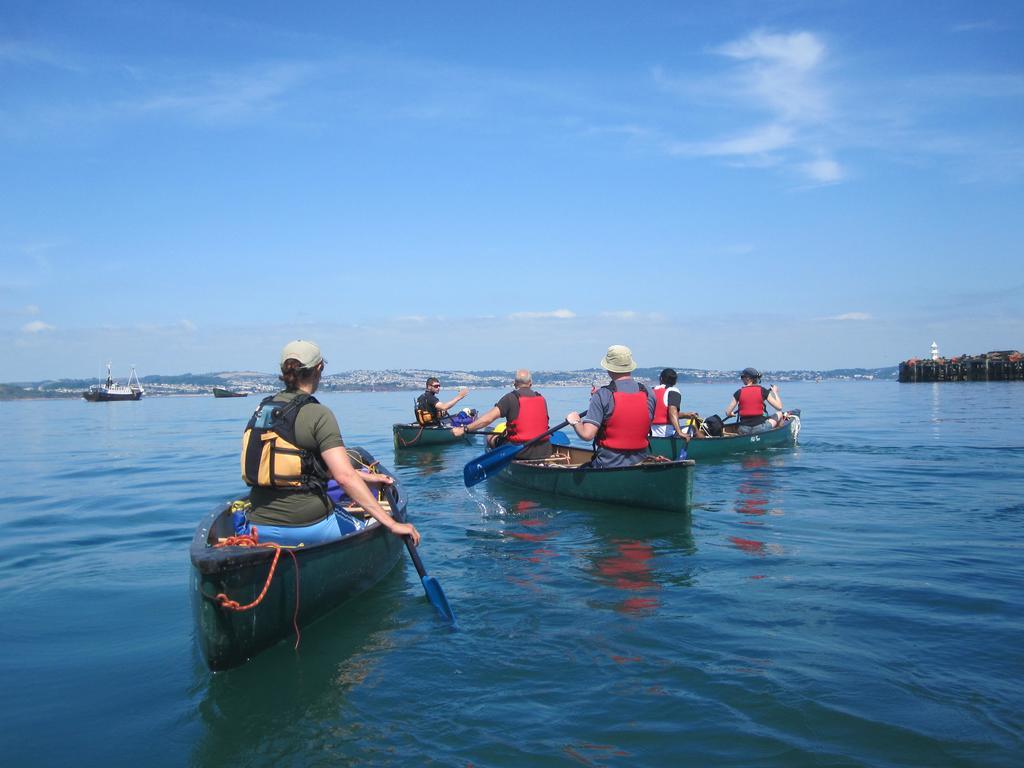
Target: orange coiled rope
{"points": [[252, 540], [406, 444]]}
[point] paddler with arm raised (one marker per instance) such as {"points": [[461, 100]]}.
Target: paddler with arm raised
{"points": [[430, 411]]}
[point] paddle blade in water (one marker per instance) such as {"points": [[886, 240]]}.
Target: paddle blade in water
{"points": [[482, 467], [437, 598]]}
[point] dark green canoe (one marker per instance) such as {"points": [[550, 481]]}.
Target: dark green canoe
{"points": [[665, 485], [416, 436], [221, 392], [329, 574], [728, 444]]}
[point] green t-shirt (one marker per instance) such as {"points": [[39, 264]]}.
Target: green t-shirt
{"points": [[315, 429]]}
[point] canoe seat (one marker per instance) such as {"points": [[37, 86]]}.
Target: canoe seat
{"points": [[356, 511]]}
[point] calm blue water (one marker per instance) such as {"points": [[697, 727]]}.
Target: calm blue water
{"points": [[856, 600]]}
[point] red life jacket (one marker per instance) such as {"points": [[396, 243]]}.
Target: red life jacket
{"points": [[751, 401], [660, 393], [532, 420], [630, 423]]}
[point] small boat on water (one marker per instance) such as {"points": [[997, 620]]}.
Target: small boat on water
{"points": [[729, 443], [329, 574], [656, 483], [111, 391], [219, 392], [419, 436]]}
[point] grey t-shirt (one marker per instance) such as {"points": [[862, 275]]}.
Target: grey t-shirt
{"points": [[317, 429], [600, 408]]}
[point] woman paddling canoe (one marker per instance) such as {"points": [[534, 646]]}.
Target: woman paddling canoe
{"points": [[291, 449]]}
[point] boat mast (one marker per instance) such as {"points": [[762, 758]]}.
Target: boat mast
{"points": [[138, 384]]}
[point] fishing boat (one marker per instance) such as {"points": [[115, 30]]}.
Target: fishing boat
{"points": [[110, 390], [219, 392], [656, 483], [329, 573], [729, 443]]}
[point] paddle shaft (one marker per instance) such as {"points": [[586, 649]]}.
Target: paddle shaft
{"points": [[415, 557], [551, 431], [494, 461]]}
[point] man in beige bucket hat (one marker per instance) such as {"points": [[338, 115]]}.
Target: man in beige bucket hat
{"points": [[619, 415]]}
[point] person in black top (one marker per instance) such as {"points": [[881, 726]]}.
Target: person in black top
{"points": [[510, 407], [430, 411]]}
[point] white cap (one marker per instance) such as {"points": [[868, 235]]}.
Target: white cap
{"points": [[306, 352]]}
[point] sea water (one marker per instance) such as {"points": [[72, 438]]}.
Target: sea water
{"points": [[855, 600]]}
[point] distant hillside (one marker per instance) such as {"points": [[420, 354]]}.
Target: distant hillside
{"points": [[413, 379]]}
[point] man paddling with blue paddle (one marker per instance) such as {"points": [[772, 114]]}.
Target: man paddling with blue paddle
{"points": [[526, 417]]}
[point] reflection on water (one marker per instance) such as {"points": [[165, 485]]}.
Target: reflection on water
{"points": [[628, 568], [338, 654], [426, 461], [756, 494]]}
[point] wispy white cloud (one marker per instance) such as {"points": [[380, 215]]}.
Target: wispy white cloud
{"points": [[229, 96], [778, 79], [761, 140], [26, 53], [824, 170], [622, 314], [975, 26], [37, 326], [781, 73], [561, 314], [851, 316]]}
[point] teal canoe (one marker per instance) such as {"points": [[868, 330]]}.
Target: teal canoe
{"points": [[653, 484], [329, 575], [418, 436], [728, 444]]}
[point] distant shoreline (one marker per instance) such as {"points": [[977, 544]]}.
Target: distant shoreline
{"points": [[9, 392]]}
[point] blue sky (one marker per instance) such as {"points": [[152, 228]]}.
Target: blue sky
{"points": [[189, 185]]}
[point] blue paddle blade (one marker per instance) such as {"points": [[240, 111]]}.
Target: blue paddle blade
{"points": [[437, 598], [489, 464], [560, 438]]}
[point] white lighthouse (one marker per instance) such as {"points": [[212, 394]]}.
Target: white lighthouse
{"points": [[935, 351]]}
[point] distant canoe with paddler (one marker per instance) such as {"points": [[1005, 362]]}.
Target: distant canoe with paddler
{"points": [[220, 392], [653, 484], [329, 574], [730, 443]]}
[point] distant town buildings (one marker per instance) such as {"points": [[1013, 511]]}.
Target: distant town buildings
{"points": [[413, 379]]}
